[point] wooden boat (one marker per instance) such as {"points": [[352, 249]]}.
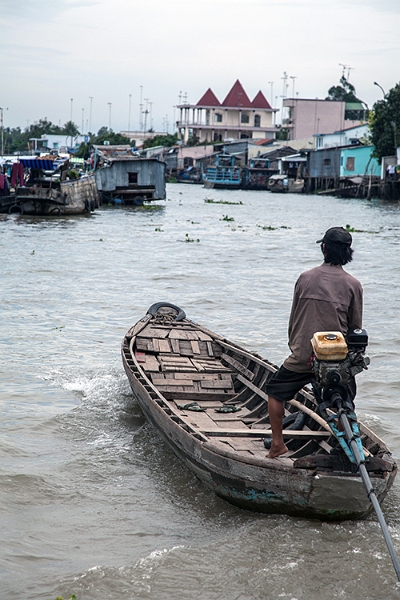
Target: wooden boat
{"points": [[283, 183], [205, 396], [46, 190], [256, 174]]}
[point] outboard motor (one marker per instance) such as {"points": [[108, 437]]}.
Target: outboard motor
{"points": [[336, 362]]}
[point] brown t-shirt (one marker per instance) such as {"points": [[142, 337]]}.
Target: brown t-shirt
{"points": [[326, 298]]}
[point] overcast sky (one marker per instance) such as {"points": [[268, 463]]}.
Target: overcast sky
{"points": [[122, 52]]}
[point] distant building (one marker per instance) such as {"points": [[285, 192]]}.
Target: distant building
{"points": [[61, 144], [137, 138], [307, 117], [358, 161], [346, 137], [237, 117]]}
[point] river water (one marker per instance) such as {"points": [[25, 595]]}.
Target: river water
{"points": [[92, 501]]}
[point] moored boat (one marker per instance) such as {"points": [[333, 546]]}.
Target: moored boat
{"points": [[225, 173], [41, 186], [204, 394], [283, 183]]}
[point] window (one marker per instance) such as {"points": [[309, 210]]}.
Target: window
{"points": [[245, 118], [350, 163], [217, 118], [133, 177], [257, 121], [327, 162], [217, 137]]}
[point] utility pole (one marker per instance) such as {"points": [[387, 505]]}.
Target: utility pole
{"points": [[129, 116], [141, 110], [90, 114], [83, 121], [145, 112], [271, 83], [72, 101], [284, 78], [2, 128], [109, 115], [293, 78]]}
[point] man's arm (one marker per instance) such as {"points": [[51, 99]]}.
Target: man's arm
{"points": [[354, 320]]}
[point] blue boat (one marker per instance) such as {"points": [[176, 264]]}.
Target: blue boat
{"points": [[224, 173]]}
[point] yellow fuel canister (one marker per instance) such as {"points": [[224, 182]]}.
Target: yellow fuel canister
{"points": [[329, 345]]}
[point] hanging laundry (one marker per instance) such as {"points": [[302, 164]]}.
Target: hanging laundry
{"points": [[17, 174]]}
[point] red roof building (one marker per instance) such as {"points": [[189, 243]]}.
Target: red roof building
{"points": [[237, 117]]}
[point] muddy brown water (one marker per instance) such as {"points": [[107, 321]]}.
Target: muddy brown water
{"points": [[92, 501]]}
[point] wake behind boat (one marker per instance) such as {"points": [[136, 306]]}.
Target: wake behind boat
{"points": [[204, 394]]}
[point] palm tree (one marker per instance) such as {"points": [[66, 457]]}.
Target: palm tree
{"points": [[71, 130]]}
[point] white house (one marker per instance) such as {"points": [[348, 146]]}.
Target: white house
{"points": [[344, 137], [237, 117]]}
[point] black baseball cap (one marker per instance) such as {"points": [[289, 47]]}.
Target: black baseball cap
{"points": [[336, 235]]}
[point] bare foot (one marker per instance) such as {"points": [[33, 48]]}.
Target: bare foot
{"points": [[277, 451]]}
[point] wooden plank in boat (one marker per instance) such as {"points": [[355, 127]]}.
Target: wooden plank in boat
{"points": [[151, 363], [144, 344], [287, 433], [177, 394], [246, 445], [253, 388], [210, 349], [199, 419], [217, 384], [183, 334], [185, 348], [164, 345], [206, 376], [167, 383], [204, 336], [227, 421], [211, 365], [154, 332], [173, 362], [238, 366], [175, 359], [195, 347], [175, 345]]}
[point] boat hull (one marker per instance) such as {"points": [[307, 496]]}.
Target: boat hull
{"points": [[260, 488], [67, 198], [249, 479]]}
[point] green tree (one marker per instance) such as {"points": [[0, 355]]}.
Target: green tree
{"points": [[167, 140], [71, 130], [16, 140], [282, 133], [345, 92], [84, 151], [384, 124], [108, 135]]}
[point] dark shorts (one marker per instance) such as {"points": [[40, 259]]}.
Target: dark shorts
{"points": [[284, 384]]}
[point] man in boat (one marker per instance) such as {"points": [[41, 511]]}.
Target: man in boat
{"points": [[326, 298]]}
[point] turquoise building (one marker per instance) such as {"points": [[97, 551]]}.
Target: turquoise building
{"points": [[357, 161]]}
